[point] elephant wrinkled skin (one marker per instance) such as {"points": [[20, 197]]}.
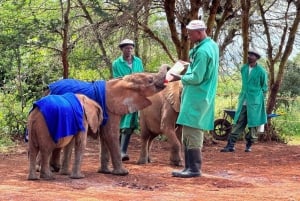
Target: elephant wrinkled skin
{"points": [[160, 118], [40, 141], [124, 95]]}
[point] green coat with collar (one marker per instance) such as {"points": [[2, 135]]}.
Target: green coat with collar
{"points": [[120, 68], [199, 86], [254, 89]]}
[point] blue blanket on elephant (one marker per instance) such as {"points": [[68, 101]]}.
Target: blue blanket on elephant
{"points": [[63, 114], [94, 90]]}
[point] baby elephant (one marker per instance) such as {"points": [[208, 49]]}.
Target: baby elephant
{"points": [[54, 122], [160, 118]]}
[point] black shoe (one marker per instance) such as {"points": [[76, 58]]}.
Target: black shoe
{"points": [[186, 164], [124, 142], [177, 173], [194, 161], [124, 157], [248, 146], [248, 150], [186, 174], [228, 149]]}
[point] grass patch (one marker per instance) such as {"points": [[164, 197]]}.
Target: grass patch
{"points": [[295, 140], [5, 143]]}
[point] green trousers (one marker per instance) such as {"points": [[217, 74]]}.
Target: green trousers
{"points": [[239, 128], [192, 138]]}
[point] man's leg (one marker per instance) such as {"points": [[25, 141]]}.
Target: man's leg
{"points": [[193, 142], [250, 137], [237, 130], [124, 141]]}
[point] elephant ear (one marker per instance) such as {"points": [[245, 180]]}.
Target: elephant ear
{"points": [[124, 97], [172, 94], [93, 113]]}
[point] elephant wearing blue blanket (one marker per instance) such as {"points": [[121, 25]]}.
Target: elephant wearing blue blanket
{"points": [[116, 97], [56, 122]]}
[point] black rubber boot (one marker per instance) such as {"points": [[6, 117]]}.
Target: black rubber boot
{"points": [[248, 146], [229, 147], [124, 141], [195, 161], [186, 164]]}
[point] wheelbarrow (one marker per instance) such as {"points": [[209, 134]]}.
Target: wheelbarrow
{"points": [[223, 127]]}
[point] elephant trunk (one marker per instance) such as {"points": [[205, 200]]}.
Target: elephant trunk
{"points": [[161, 75]]}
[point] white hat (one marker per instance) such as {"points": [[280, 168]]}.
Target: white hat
{"points": [[196, 25], [126, 42], [255, 52]]}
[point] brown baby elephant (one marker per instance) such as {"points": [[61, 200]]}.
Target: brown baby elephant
{"points": [[60, 121], [116, 97], [160, 118]]}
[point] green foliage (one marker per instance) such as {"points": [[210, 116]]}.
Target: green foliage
{"points": [[288, 124], [89, 74], [295, 140], [227, 93], [5, 142], [13, 115], [291, 81]]}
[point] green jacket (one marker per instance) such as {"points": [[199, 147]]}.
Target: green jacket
{"points": [[254, 89], [120, 68], [199, 86]]}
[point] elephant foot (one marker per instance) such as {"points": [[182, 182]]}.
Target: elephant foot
{"points": [[104, 170], [46, 176], [120, 172], [32, 177], [176, 160], [64, 172], [77, 176], [176, 163], [142, 161]]}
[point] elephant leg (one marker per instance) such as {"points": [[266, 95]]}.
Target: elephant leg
{"points": [[38, 162], [55, 160], [150, 142], [110, 136], [112, 144], [80, 144], [45, 172], [32, 164], [144, 154], [175, 152], [104, 157], [66, 160]]}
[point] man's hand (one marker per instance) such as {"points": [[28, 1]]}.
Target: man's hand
{"points": [[176, 76]]}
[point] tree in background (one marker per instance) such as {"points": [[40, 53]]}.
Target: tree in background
{"points": [[279, 38], [83, 35], [289, 87]]}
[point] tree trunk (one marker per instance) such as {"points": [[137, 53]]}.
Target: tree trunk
{"points": [[246, 4], [65, 35]]}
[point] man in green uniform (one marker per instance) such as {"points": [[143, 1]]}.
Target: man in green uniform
{"points": [[127, 64], [251, 104], [198, 97]]}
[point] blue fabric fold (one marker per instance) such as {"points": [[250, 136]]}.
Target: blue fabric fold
{"points": [[94, 90], [63, 114]]}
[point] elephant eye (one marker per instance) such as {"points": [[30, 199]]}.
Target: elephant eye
{"points": [[150, 80]]}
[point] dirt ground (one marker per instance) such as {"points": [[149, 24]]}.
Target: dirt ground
{"points": [[270, 172]]}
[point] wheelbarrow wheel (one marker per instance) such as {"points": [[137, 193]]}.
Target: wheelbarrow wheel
{"points": [[222, 129]]}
